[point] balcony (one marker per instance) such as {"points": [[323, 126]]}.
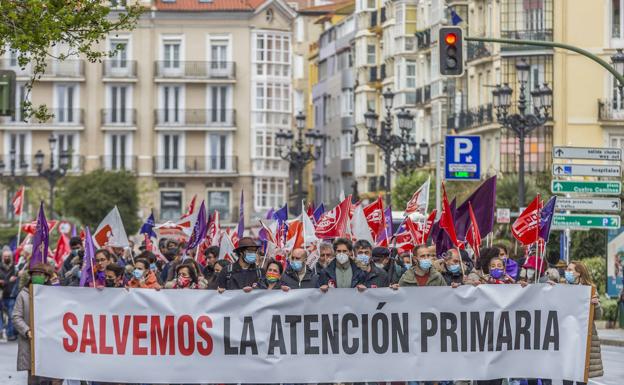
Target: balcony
{"points": [[119, 163], [610, 110], [71, 69], [62, 117], [373, 75], [195, 117], [195, 165], [25, 164], [118, 117], [119, 69], [195, 70], [427, 94], [423, 39], [382, 15], [543, 35], [373, 20], [478, 50], [472, 118], [423, 96]]}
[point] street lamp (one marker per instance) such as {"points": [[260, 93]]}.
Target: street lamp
{"points": [[52, 174], [410, 155], [522, 123], [305, 149]]}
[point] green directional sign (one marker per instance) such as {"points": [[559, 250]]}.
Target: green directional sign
{"points": [[582, 187], [581, 221]]}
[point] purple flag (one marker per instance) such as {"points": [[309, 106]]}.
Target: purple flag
{"points": [[199, 229], [318, 212], [269, 214], [483, 201], [241, 217], [74, 232], [546, 217], [281, 215], [388, 215], [86, 276], [148, 227], [40, 240]]}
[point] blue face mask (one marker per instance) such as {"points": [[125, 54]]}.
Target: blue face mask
{"points": [[250, 258], [363, 258], [407, 265], [570, 277], [453, 268], [425, 264], [138, 273], [296, 265], [496, 273], [153, 266]]}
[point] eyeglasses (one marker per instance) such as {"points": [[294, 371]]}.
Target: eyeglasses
{"points": [[101, 260]]}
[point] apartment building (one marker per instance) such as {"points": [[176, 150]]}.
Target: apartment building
{"points": [[190, 103]]}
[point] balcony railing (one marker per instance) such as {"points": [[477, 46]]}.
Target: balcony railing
{"points": [[423, 38], [471, 118], [119, 69], [70, 68], [118, 117], [198, 165], [611, 110], [118, 163], [196, 117], [177, 69], [61, 117], [478, 50], [25, 164], [543, 35], [373, 75], [373, 20], [419, 96]]}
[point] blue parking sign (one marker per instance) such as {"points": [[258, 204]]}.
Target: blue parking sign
{"points": [[462, 157]]}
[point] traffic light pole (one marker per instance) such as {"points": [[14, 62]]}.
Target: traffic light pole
{"points": [[552, 44]]}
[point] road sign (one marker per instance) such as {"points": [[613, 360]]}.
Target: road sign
{"points": [[503, 215], [587, 153], [586, 170], [592, 204], [463, 157], [588, 188], [585, 221]]}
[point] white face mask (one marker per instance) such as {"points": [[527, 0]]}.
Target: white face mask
{"points": [[342, 258], [530, 273]]}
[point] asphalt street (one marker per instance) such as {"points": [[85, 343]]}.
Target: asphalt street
{"points": [[612, 358]]}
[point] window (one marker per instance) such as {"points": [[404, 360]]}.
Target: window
{"points": [[219, 158], [220, 201], [20, 98], [18, 156], [298, 103], [118, 102], [299, 64], [219, 52], [616, 141], [410, 74], [346, 142], [299, 29], [170, 205], [219, 102], [370, 54], [171, 54], [171, 104], [616, 18], [171, 159], [272, 54], [347, 102], [66, 104], [68, 143], [120, 59], [269, 192], [119, 150], [370, 163]]}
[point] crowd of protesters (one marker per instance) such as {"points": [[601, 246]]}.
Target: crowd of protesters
{"points": [[341, 264]]}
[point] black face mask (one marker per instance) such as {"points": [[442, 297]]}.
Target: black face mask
{"points": [[110, 283]]}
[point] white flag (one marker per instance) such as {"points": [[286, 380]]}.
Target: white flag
{"points": [[420, 200], [226, 248], [359, 225], [309, 235], [111, 231]]}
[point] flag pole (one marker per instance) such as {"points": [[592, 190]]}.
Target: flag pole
{"points": [[19, 228], [537, 243], [461, 262]]}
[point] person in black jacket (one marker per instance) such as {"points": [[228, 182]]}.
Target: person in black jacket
{"points": [[383, 260], [298, 275], [8, 283], [375, 276], [342, 271], [243, 274]]}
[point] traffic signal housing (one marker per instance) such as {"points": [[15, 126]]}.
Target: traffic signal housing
{"points": [[451, 44]]}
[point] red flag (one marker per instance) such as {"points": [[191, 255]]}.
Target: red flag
{"points": [[148, 243], [417, 235], [474, 235], [447, 222], [62, 250], [294, 236], [403, 241], [526, 228], [375, 217], [18, 201], [214, 230], [426, 231], [30, 228], [333, 223], [190, 209]]}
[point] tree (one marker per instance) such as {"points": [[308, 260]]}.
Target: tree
{"points": [[91, 196], [32, 27], [507, 190], [407, 184]]}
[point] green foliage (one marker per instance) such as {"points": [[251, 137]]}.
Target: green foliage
{"points": [[91, 196], [32, 27], [407, 184], [507, 190], [597, 267], [6, 234], [609, 309]]}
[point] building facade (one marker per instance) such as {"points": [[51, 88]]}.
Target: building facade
{"points": [[191, 103]]}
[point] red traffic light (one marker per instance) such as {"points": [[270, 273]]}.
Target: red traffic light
{"points": [[450, 38]]}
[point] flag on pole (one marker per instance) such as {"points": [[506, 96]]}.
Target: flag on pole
{"points": [[281, 215], [333, 224], [474, 236], [483, 201], [309, 236], [359, 226], [375, 217], [455, 19], [446, 219], [428, 225], [199, 229], [417, 235], [241, 216], [111, 231], [214, 230], [40, 240], [226, 250], [526, 228], [190, 208], [62, 249], [148, 227], [89, 264], [546, 216], [420, 200], [320, 210], [18, 201]]}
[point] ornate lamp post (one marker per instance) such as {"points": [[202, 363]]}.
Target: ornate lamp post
{"points": [[412, 155], [52, 174], [522, 123]]}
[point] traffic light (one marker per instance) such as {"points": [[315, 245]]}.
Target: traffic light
{"points": [[451, 45]]}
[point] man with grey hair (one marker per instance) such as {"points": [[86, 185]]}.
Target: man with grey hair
{"points": [[326, 255], [298, 275]]}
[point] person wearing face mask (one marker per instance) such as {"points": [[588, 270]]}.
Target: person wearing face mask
{"points": [[342, 272], [326, 255], [512, 268], [421, 272], [496, 273], [142, 276], [8, 283], [185, 277], [532, 266], [211, 254], [244, 273], [114, 276], [382, 258], [452, 271], [273, 276], [298, 275], [576, 273], [376, 276]]}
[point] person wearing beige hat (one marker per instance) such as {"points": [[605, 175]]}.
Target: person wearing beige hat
{"points": [[244, 273]]}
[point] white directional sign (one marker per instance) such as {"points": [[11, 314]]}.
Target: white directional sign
{"points": [[587, 153], [592, 204], [586, 170]]}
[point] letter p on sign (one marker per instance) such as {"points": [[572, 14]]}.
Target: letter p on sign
{"points": [[463, 146]]}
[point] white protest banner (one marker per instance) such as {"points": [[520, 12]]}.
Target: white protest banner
{"points": [[427, 333]]}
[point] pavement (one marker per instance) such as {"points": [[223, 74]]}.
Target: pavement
{"points": [[611, 337]]}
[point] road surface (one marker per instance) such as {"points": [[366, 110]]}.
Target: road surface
{"points": [[612, 359]]}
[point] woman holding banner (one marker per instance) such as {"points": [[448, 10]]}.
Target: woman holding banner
{"points": [[577, 274], [273, 276]]}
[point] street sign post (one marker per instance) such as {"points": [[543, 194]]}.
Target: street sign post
{"points": [[462, 157], [588, 188], [585, 221], [586, 170], [614, 154], [588, 204]]}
